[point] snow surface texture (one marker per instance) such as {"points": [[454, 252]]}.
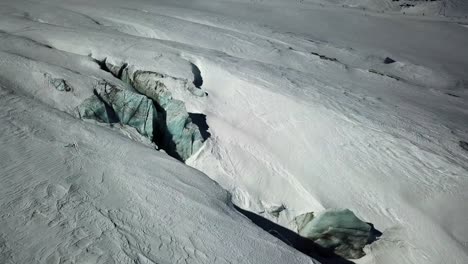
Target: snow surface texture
{"points": [[74, 192], [303, 115], [454, 8]]}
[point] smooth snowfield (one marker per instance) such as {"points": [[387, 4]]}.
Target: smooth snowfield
{"points": [[302, 113]]}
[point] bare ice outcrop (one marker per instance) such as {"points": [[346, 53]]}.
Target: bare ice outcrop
{"points": [[110, 104], [181, 137], [157, 114], [337, 230]]}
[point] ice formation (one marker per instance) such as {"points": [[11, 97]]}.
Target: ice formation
{"points": [[181, 138], [338, 230], [110, 104]]}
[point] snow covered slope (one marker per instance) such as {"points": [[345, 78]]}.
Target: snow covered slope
{"points": [[76, 192], [302, 110], [449, 8]]}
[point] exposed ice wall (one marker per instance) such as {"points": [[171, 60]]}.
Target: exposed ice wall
{"points": [[181, 138], [110, 104], [337, 230], [151, 109]]}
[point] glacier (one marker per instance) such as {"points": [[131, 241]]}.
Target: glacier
{"points": [[277, 108]]}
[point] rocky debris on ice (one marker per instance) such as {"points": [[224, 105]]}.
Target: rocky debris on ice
{"points": [[463, 145], [59, 84], [276, 210], [338, 230], [389, 60]]}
